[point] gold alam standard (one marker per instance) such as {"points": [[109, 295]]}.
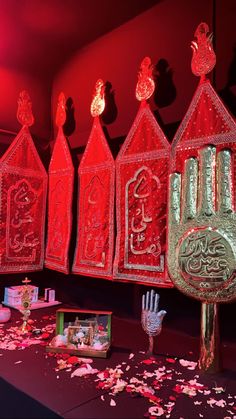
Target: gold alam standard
{"points": [[202, 240], [201, 216]]}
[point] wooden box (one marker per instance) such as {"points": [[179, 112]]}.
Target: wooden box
{"points": [[82, 333]]}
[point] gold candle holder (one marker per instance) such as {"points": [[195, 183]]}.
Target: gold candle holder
{"points": [[26, 299]]}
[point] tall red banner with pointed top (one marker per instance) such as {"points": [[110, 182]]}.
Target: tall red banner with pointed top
{"points": [[61, 179], [207, 121], [23, 199], [95, 235], [141, 180]]}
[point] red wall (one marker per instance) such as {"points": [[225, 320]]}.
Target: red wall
{"points": [[12, 82], [164, 31]]}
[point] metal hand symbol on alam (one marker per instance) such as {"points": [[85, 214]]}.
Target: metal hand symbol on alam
{"points": [[201, 227]]}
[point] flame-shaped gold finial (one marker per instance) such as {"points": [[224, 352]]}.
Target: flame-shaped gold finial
{"points": [[203, 59], [145, 85], [98, 103], [24, 110], [61, 110]]}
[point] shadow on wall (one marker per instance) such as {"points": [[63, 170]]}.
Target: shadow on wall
{"points": [[110, 112], [165, 90], [70, 123], [228, 93], [164, 95]]}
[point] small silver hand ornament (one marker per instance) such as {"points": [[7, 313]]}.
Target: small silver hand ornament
{"points": [[151, 318]]}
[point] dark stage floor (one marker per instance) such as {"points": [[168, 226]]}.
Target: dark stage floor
{"points": [[134, 386]]}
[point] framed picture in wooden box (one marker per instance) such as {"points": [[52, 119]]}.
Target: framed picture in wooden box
{"points": [[82, 333]]}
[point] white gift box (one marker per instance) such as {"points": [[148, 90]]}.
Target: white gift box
{"points": [[12, 295]]}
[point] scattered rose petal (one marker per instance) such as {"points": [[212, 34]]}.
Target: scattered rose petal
{"points": [[219, 389], [189, 364], [156, 411], [119, 386], [144, 378], [148, 361], [73, 360], [211, 402], [221, 403], [171, 360], [82, 371], [45, 336]]}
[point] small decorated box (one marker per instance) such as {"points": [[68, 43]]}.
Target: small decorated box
{"points": [[81, 332], [12, 295]]}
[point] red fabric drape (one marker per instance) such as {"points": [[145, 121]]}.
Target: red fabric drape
{"points": [[95, 235], [23, 203], [141, 179], [61, 178], [207, 121]]}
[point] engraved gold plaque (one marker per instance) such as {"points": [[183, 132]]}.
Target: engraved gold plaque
{"points": [[201, 254], [205, 259], [202, 227]]}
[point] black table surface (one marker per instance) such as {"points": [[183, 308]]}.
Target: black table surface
{"points": [[33, 372]]}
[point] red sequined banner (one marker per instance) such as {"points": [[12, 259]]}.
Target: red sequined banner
{"points": [[95, 236], [23, 203], [207, 121], [141, 179], [61, 178]]}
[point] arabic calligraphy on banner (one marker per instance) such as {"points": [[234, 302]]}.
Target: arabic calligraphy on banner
{"points": [[142, 232], [94, 249], [141, 241], [23, 202], [58, 197], [61, 182], [23, 218], [60, 191], [95, 245], [21, 238], [95, 235], [141, 185]]}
